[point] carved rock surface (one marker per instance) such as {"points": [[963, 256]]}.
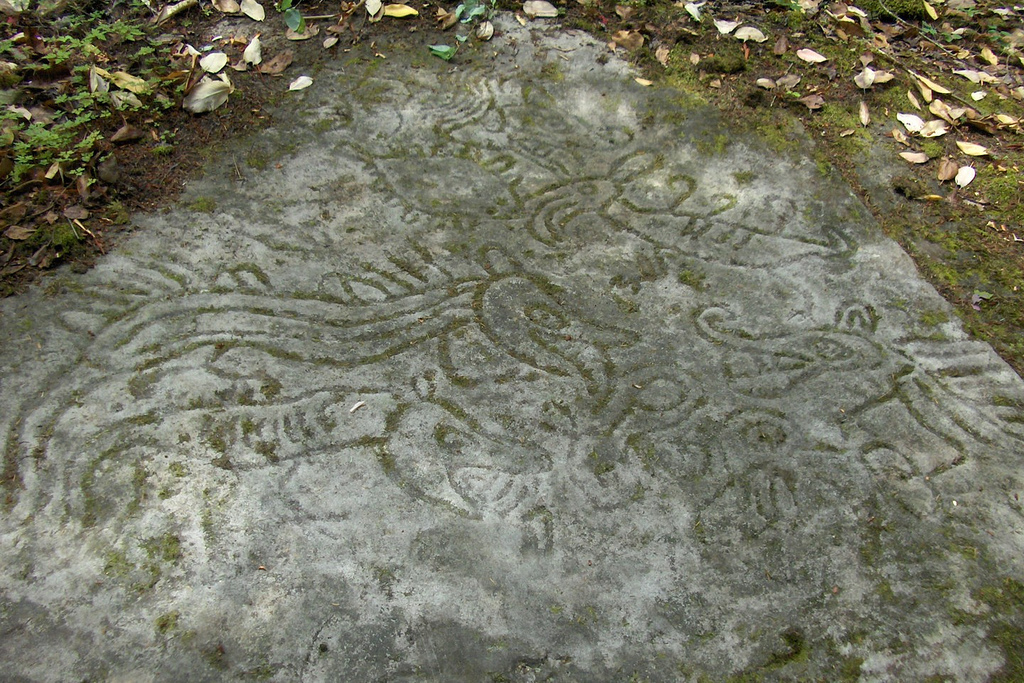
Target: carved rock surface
{"points": [[513, 371]]}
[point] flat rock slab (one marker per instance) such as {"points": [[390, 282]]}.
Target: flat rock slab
{"points": [[512, 370]]}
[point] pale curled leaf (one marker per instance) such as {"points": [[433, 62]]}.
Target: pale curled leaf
{"points": [[253, 10], [975, 76], [213, 62], [373, 7], [934, 128], [227, 6], [972, 149], [123, 99], [330, 41], [539, 9], [96, 82], [964, 176], [912, 122], [693, 9], [865, 114], [865, 79], [644, 82], [915, 157], [913, 99], [208, 95], [300, 83], [746, 33], [811, 56], [900, 137], [931, 11], [253, 53], [662, 54], [485, 31], [725, 27], [766, 83]]}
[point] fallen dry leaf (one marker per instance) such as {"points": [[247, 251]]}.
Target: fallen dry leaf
{"points": [[311, 30], [661, 54], [127, 133], [253, 10], [789, 81], [300, 83], [725, 27], [976, 76], [915, 157], [227, 6], [644, 82], [277, 64], [213, 62], [208, 95], [746, 33], [781, 45], [399, 11], [989, 56], [630, 40], [766, 83], [931, 11], [539, 9], [964, 176], [812, 102], [972, 149], [865, 114], [253, 53], [912, 122], [445, 18], [900, 137], [485, 31], [913, 99], [18, 232], [934, 129], [811, 56], [930, 84], [947, 169]]}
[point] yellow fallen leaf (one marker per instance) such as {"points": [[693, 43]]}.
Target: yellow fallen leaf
{"points": [[865, 114], [931, 11], [930, 84], [913, 99], [971, 149], [989, 56], [643, 81], [126, 81], [399, 11]]}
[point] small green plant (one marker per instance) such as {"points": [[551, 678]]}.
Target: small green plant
{"points": [[292, 17]]}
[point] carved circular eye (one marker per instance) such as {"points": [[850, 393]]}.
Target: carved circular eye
{"points": [[546, 318]]}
